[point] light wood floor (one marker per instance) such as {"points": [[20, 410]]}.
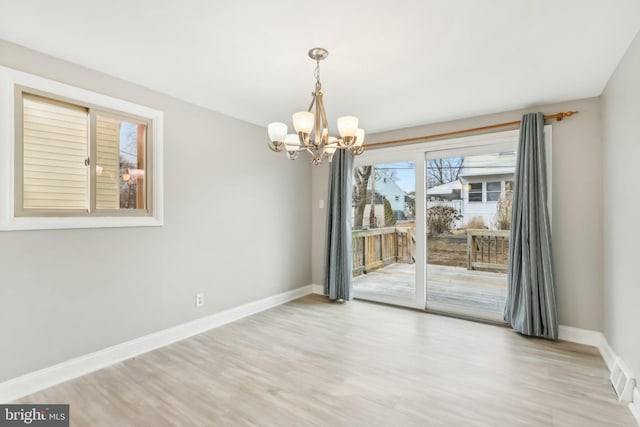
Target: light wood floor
{"points": [[310, 362]]}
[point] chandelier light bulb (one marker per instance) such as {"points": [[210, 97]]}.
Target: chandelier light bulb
{"points": [[359, 137], [291, 145], [303, 121], [291, 142], [347, 126], [277, 131]]}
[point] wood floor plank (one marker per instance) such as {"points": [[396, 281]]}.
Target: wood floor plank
{"points": [[311, 362]]}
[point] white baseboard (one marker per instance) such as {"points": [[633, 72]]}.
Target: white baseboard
{"points": [[580, 336], [613, 362], [607, 354], [16, 388], [317, 289]]}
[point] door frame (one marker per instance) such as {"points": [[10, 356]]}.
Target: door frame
{"points": [[418, 154]]}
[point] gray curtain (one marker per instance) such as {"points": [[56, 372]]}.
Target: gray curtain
{"points": [[338, 256], [531, 302]]}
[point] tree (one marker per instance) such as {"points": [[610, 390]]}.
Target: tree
{"points": [[502, 219], [389, 217], [443, 171], [440, 219], [410, 203], [361, 177]]}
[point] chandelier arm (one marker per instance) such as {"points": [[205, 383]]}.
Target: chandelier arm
{"points": [[320, 106], [315, 157], [318, 139], [275, 146], [313, 101], [303, 138]]}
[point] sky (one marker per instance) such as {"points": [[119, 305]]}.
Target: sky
{"points": [[405, 174]]}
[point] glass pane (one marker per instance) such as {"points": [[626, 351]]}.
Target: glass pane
{"points": [[120, 165], [493, 186], [475, 192], [383, 223], [493, 196], [468, 238]]}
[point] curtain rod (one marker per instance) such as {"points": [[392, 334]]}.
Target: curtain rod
{"points": [[557, 116]]}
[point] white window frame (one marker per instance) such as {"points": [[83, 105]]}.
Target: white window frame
{"points": [[10, 81]]}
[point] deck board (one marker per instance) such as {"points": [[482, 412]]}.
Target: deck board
{"points": [[455, 286]]}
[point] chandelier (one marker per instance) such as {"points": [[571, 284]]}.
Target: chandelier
{"points": [[315, 140]]}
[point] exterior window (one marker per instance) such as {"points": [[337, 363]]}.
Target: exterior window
{"points": [[60, 143], [493, 191], [475, 192], [120, 177]]}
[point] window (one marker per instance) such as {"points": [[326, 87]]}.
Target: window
{"points": [[59, 145], [76, 159], [493, 191], [475, 192]]}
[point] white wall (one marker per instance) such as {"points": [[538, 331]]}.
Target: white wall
{"points": [[232, 230], [621, 153], [577, 204]]}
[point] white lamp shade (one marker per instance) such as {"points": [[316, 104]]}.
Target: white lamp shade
{"points": [[359, 137], [347, 126], [277, 131], [303, 121], [291, 142]]}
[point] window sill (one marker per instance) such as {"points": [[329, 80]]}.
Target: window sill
{"points": [[59, 223]]}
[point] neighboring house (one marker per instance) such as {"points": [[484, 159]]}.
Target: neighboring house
{"points": [[388, 188], [385, 187], [485, 178], [479, 187]]}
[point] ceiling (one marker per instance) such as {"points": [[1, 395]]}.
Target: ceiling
{"points": [[393, 64]]}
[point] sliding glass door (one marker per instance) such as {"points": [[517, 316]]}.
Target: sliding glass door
{"points": [[385, 233], [468, 209], [431, 224]]}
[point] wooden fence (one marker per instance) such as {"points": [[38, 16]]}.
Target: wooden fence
{"points": [[487, 249], [378, 247]]}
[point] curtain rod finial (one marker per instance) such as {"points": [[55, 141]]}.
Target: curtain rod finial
{"points": [[566, 114]]}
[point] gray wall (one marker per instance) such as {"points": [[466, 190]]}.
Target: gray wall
{"points": [[577, 204], [621, 142], [236, 228]]}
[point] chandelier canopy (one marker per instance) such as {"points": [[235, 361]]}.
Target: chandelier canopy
{"points": [[312, 129]]}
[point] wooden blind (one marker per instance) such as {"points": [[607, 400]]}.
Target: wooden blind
{"points": [[55, 148], [108, 163]]}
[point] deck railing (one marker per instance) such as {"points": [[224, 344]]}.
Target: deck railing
{"points": [[378, 247], [487, 249]]}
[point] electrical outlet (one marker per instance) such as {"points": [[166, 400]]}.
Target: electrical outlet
{"points": [[199, 300], [321, 204]]}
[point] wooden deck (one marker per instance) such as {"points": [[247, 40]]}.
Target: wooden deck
{"points": [[454, 286]]}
